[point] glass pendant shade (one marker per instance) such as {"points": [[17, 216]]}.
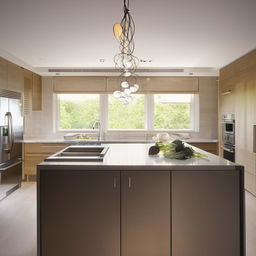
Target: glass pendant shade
{"points": [[117, 30], [124, 84]]}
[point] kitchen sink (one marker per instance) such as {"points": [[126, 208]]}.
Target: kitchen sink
{"points": [[80, 153]]}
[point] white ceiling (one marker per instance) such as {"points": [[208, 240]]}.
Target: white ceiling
{"points": [[173, 33]]}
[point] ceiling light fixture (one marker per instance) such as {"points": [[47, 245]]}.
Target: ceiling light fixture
{"points": [[125, 61]]}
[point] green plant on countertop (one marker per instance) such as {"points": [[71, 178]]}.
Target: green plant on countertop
{"points": [[177, 150], [83, 137]]}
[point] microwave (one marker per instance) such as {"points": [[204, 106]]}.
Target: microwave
{"points": [[228, 121], [229, 127]]}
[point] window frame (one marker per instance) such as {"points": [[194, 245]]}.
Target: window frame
{"points": [[57, 114], [148, 117]]}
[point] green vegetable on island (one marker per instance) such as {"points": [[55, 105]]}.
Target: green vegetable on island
{"points": [[175, 150]]}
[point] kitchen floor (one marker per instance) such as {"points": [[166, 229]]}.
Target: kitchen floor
{"points": [[18, 222]]}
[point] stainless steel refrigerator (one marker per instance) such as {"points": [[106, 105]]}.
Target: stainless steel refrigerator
{"points": [[11, 136]]}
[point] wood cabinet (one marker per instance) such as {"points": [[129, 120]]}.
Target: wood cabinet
{"points": [[15, 78], [145, 213], [28, 85], [3, 73], [37, 93], [32, 92], [35, 153], [93, 197], [205, 219], [116, 213], [207, 146], [241, 74]]}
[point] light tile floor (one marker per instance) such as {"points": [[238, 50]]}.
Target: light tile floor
{"points": [[18, 222]]}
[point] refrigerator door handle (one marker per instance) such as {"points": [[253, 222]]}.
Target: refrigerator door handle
{"points": [[10, 132]]}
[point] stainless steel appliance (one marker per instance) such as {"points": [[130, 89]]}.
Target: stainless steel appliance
{"points": [[228, 135], [11, 136]]}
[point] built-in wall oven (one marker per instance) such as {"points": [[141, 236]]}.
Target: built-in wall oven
{"points": [[228, 136]]}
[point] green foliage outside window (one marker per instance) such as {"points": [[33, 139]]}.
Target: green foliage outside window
{"points": [[78, 114], [171, 115], [131, 116], [80, 111]]}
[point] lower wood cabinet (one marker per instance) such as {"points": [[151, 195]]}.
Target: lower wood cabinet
{"points": [[105, 213], [211, 147], [145, 213], [205, 213], [35, 153], [140, 213], [86, 218]]}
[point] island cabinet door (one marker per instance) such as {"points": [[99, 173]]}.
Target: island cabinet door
{"points": [[205, 213], [80, 213], [145, 213]]}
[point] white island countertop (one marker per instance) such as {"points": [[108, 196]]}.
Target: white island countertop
{"points": [[135, 157]]}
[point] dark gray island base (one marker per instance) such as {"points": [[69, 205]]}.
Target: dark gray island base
{"points": [[132, 204]]}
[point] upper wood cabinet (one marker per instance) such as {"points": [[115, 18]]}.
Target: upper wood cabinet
{"points": [[28, 83], [145, 213], [15, 78], [37, 92], [3, 73]]}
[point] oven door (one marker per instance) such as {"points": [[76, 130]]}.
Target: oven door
{"points": [[229, 153]]}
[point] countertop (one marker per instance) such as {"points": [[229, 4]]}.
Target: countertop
{"points": [[135, 157]]}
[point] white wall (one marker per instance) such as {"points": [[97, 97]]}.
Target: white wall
{"points": [[40, 124]]}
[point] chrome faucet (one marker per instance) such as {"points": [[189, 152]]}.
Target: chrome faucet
{"points": [[97, 123]]}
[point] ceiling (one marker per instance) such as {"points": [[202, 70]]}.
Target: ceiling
{"points": [[172, 33]]}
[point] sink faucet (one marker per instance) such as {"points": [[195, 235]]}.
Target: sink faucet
{"points": [[97, 123]]}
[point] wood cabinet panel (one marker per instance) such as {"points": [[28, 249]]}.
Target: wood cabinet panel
{"points": [[205, 216], [145, 213], [241, 102], [209, 147], [31, 162], [44, 148], [93, 197], [34, 153], [37, 93], [3, 73], [15, 78]]}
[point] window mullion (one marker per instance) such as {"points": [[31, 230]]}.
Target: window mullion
{"points": [[104, 114], [149, 112]]}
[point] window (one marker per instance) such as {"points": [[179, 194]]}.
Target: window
{"points": [[78, 111], [131, 116], [147, 112], [172, 111]]}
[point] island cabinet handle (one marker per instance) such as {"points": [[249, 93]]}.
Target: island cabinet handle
{"points": [[129, 182], [114, 183]]}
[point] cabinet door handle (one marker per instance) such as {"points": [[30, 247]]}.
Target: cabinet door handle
{"points": [[129, 182], [114, 182]]}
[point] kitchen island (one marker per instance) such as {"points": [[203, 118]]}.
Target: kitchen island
{"points": [[133, 204]]}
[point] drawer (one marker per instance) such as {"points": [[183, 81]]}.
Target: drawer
{"points": [[209, 147], [31, 161], [44, 148]]}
